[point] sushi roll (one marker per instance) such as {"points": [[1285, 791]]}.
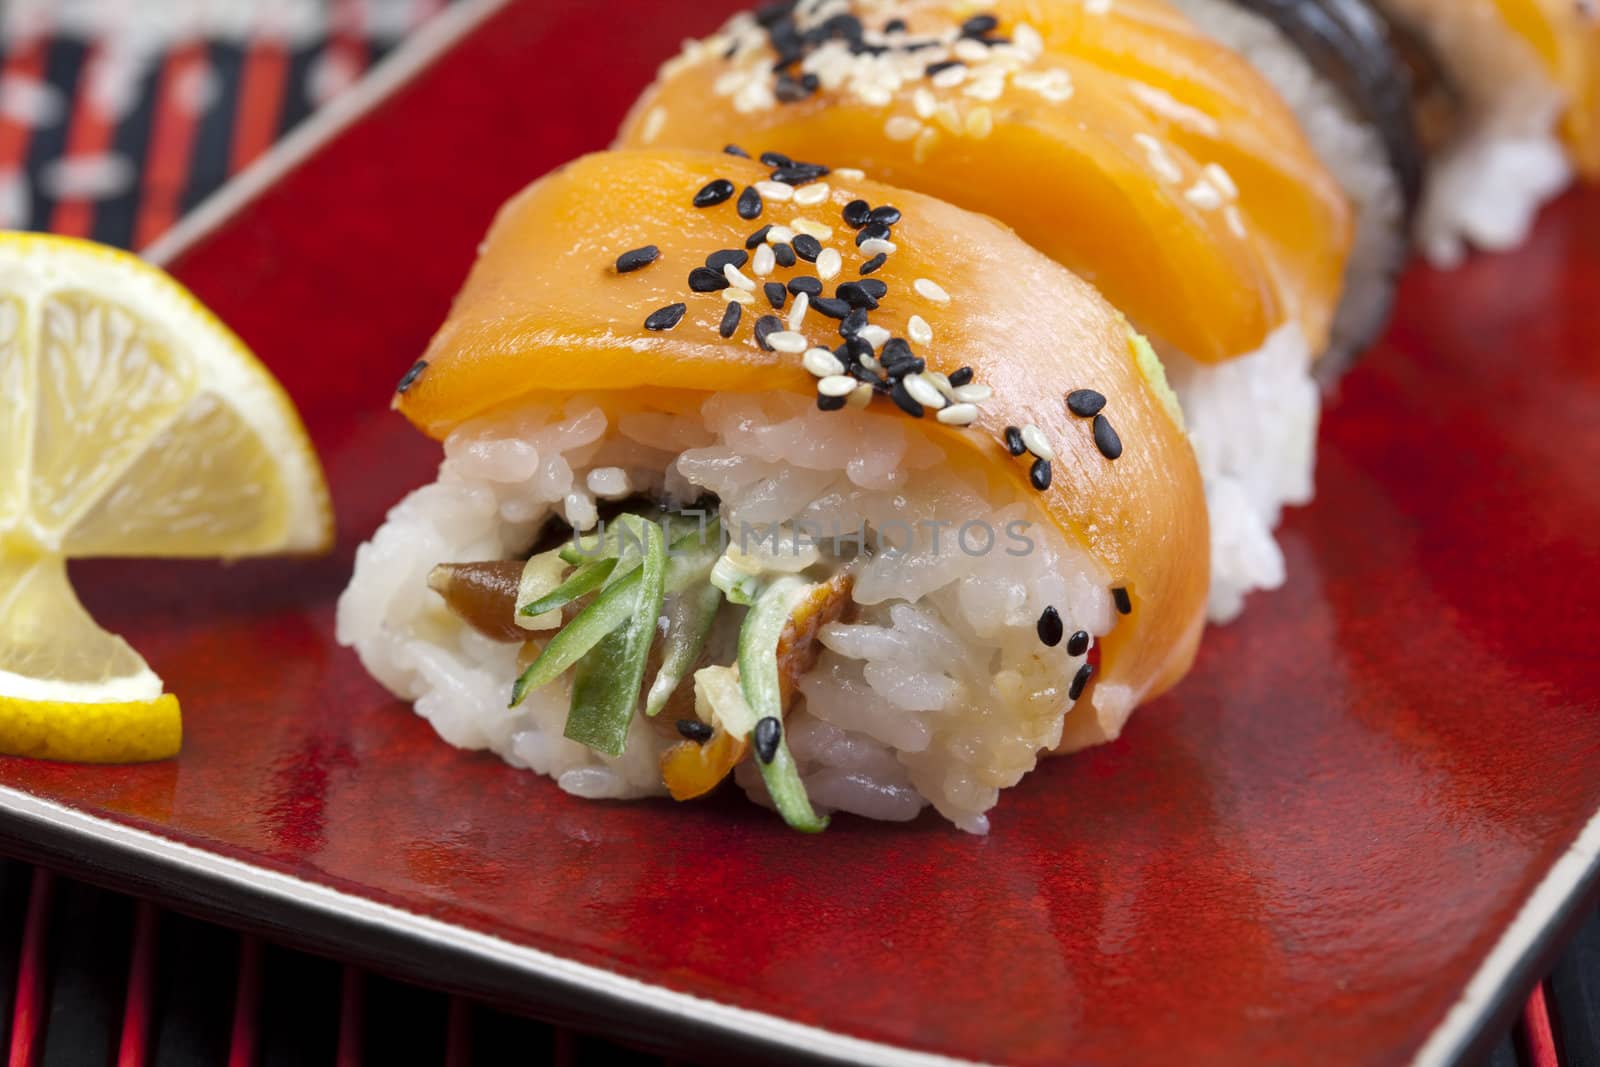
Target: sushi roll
{"points": [[1513, 88], [1250, 240], [734, 486]]}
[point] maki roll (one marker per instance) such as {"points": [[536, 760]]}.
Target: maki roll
{"points": [[1247, 238], [1512, 92], [734, 486]]}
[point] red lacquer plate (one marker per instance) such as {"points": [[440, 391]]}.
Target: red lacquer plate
{"points": [[1351, 836]]}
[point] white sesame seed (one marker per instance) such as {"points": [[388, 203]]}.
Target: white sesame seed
{"points": [[1034, 441], [922, 391], [1097, 7], [763, 262], [918, 330], [874, 95], [1234, 219], [652, 124], [1027, 39], [822, 363], [779, 234], [872, 364], [958, 415], [738, 296], [861, 396], [924, 103], [1203, 196], [874, 245], [797, 310], [941, 382], [849, 174], [1223, 181], [813, 227], [829, 263], [924, 144], [948, 117], [814, 193], [987, 88], [901, 128], [971, 51], [787, 341], [873, 334], [834, 384], [949, 77], [775, 191], [737, 277], [973, 393], [931, 291], [980, 123]]}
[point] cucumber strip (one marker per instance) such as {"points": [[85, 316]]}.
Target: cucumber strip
{"points": [[540, 574], [605, 688], [606, 612], [737, 584], [585, 579], [758, 678], [608, 544], [688, 626]]}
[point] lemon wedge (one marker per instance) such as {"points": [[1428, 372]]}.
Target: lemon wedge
{"points": [[132, 423]]}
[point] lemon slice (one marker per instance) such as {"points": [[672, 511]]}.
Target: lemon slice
{"points": [[132, 423]]}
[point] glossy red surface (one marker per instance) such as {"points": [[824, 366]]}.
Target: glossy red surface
{"points": [[1301, 855]]}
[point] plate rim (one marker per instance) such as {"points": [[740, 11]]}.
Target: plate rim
{"points": [[1492, 995]]}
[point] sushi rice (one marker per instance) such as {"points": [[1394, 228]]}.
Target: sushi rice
{"points": [[938, 691]]}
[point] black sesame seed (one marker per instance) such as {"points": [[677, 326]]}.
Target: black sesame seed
{"points": [[717, 260], [1039, 474], [807, 247], [805, 283], [872, 231], [1078, 643], [1049, 627], [666, 318], [895, 26], [888, 214], [735, 150], [409, 378], [960, 376], [873, 288], [896, 350], [776, 293], [638, 257], [706, 280], [857, 213], [695, 730], [755, 239], [853, 294], [922, 45], [978, 25], [905, 401], [830, 403], [766, 325], [1119, 596], [799, 173], [749, 205], [791, 90], [1105, 437], [730, 319], [934, 68], [1014, 443], [853, 323], [846, 27], [1080, 681], [1085, 403], [852, 352], [766, 737], [713, 193], [832, 307], [874, 263], [775, 159], [784, 254]]}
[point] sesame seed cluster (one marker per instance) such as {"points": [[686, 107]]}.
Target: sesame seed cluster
{"points": [[931, 83], [868, 361]]}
